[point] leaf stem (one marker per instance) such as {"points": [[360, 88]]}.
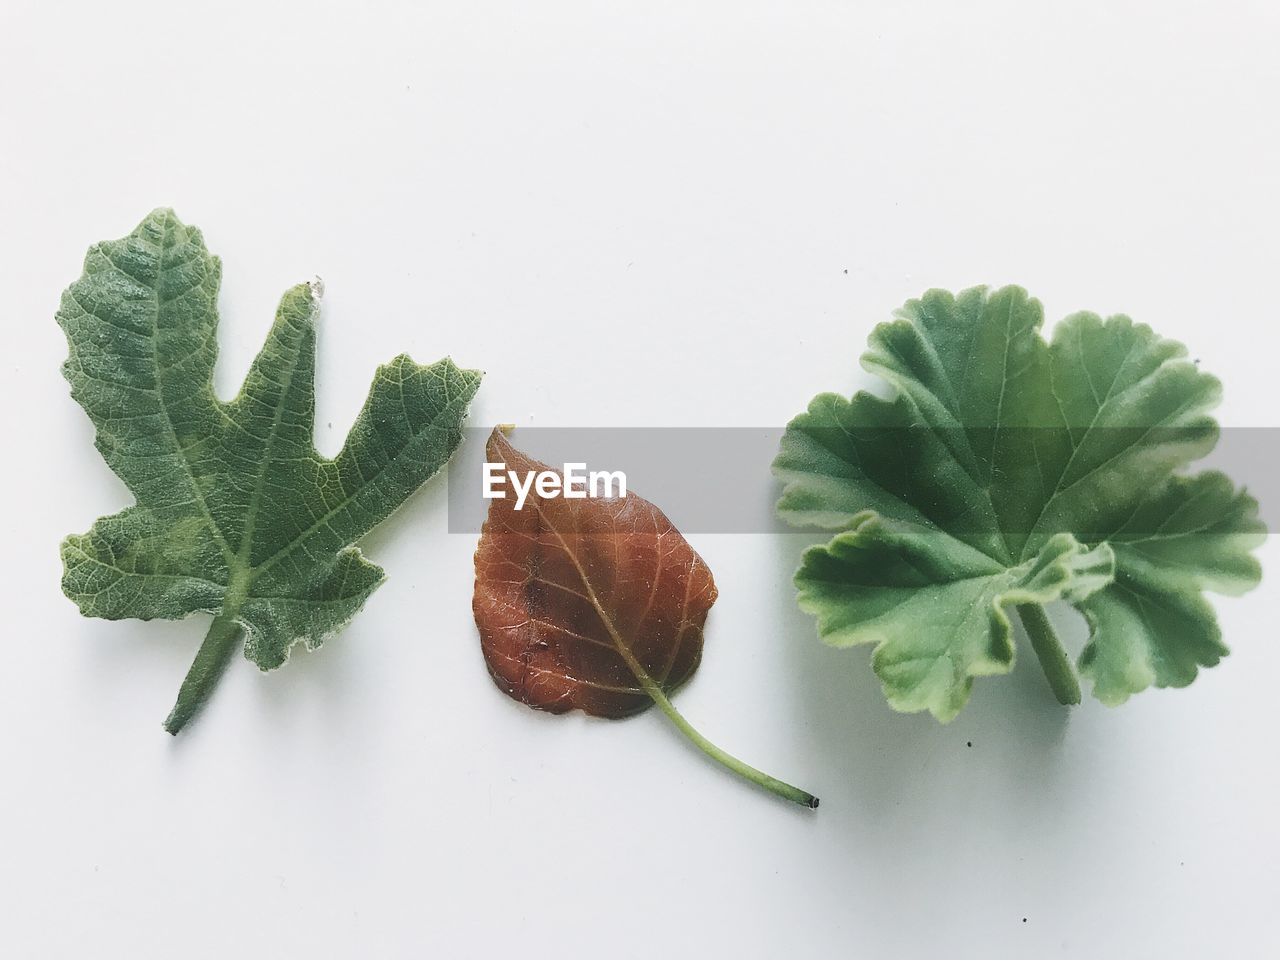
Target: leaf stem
{"points": [[656, 694], [211, 661], [744, 770], [1053, 656]]}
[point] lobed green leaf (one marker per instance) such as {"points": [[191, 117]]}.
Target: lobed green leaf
{"points": [[1006, 471]]}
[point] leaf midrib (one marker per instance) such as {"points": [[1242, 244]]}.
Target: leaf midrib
{"points": [[1058, 489], [647, 683], [1179, 411], [245, 555], [161, 269], [259, 569]]}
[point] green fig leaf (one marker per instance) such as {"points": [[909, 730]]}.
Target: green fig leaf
{"points": [[237, 514]]}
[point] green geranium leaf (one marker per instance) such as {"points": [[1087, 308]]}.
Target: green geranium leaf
{"points": [[237, 514], [1007, 472]]}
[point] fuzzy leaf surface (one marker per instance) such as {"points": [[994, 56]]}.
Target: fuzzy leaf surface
{"points": [[1007, 469], [237, 514]]}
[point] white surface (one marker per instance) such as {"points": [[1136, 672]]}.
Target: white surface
{"points": [[627, 213]]}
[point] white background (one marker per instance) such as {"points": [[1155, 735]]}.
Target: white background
{"points": [[648, 214]]}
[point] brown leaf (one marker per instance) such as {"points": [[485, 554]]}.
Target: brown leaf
{"points": [[595, 604], [581, 602]]}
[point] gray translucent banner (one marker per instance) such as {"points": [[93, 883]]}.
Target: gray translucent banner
{"points": [[719, 479]]}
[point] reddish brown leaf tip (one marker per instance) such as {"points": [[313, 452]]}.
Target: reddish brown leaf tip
{"points": [[562, 583]]}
